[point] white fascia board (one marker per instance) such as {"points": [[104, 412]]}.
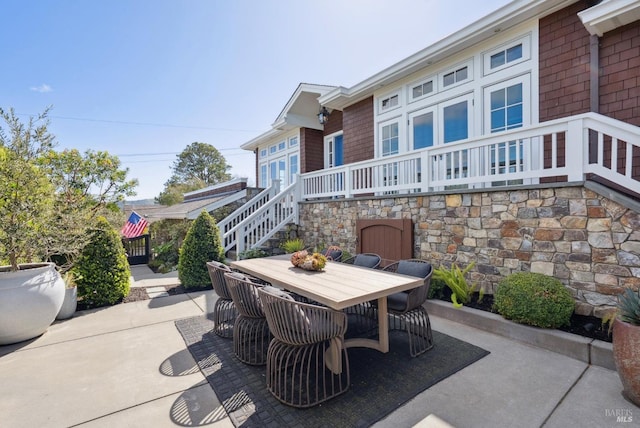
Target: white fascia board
{"points": [[609, 15], [298, 121], [302, 87], [253, 144], [508, 16]]}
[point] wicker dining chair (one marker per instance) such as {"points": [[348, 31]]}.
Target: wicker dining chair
{"points": [[369, 260], [406, 310], [307, 362], [251, 335], [224, 311]]}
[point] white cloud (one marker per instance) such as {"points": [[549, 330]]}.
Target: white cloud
{"points": [[42, 88]]}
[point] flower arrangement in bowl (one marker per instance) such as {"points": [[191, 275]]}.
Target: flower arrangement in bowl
{"points": [[306, 261]]}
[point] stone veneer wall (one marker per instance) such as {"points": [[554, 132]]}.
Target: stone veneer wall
{"points": [[589, 242]]}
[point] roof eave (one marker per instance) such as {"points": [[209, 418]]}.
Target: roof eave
{"points": [[506, 17]]}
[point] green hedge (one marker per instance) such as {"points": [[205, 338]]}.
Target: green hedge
{"points": [[534, 299], [102, 272], [201, 245]]}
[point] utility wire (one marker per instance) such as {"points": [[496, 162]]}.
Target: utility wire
{"points": [[123, 122]]}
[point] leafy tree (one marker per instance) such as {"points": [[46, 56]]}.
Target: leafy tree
{"points": [[48, 199], [201, 245], [102, 271], [173, 193], [26, 193], [197, 166], [86, 186]]}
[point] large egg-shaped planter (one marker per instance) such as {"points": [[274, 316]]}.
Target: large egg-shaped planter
{"points": [[30, 299], [626, 356]]}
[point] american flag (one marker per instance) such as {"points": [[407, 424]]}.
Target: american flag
{"points": [[134, 226]]}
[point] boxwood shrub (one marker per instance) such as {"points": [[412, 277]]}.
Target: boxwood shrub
{"points": [[102, 271], [201, 245], [534, 299]]}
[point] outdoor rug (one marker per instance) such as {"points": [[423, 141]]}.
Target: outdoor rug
{"points": [[380, 383]]}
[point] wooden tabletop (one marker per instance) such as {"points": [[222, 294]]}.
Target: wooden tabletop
{"points": [[338, 285]]}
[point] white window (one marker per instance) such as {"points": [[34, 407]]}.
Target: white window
{"points": [[293, 168], [263, 175], [389, 102], [389, 139], [507, 55], [507, 105], [457, 75], [457, 119], [282, 145], [422, 89], [273, 149], [423, 128], [293, 142], [333, 150], [263, 153]]}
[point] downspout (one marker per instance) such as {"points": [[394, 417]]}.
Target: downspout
{"points": [[594, 78]]}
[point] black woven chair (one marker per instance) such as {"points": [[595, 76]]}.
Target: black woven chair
{"points": [[307, 362], [406, 310], [369, 260], [332, 253], [361, 321], [224, 311], [251, 335]]}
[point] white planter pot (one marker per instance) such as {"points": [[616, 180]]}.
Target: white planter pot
{"points": [[30, 299], [69, 304]]}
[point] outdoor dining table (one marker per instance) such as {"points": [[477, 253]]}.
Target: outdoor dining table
{"points": [[337, 286]]}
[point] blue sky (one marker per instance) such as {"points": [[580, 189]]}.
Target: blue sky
{"points": [[143, 79]]}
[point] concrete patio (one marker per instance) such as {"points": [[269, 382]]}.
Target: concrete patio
{"points": [[127, 366]]}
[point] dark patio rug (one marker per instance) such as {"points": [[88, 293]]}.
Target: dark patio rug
{"points": [[380, 383]]}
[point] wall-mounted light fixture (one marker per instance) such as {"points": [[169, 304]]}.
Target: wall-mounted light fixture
{"points": [[323, 116]]}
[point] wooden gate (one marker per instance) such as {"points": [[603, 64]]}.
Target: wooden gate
{"points": [[391, 239], [137, 249]]}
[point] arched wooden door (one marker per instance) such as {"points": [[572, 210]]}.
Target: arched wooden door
{"points": [[391, 239]]}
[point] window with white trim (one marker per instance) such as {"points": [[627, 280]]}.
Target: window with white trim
{"points": [[273, 149], [293, 168], [263, 175], [456, 75], [422, 89], [293, 142], [263, 153], [333, 150], [423, 126], [507, 55], [389, 102], [456, 116], [390, 139], [282, 145]]}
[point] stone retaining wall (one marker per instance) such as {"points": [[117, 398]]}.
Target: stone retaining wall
{"points": [[589, 242]]}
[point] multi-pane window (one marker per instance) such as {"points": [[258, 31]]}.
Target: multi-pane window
{"points": [[389, 102], [263, 153], [293, 168], [390, 139], [422, 89], [506, 56], [273, 149], [506, 108], [334, 151], [263, 175], [282, 145], [455, 76], [293, 141]]}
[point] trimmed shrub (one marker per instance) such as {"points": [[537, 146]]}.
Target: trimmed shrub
{"points": [[534, 299], [102, 272], [201, 245]]}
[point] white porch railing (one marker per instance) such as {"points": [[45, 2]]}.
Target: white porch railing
{"points": [[268, 214], [570, 147], [228, 226]]}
